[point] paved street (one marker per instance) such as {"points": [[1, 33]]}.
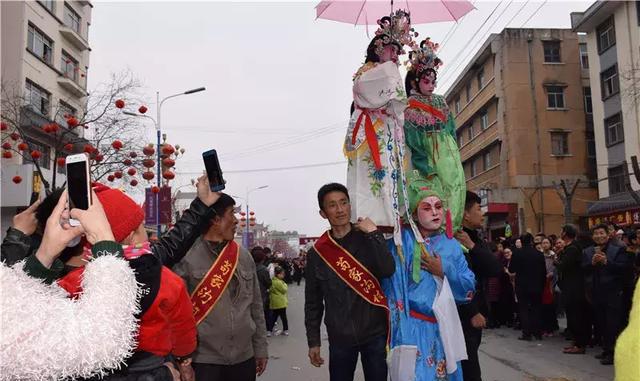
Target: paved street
{"points": [[503, 357]]}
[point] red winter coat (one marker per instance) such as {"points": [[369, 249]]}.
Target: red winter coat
{"points": [[168, 325]]}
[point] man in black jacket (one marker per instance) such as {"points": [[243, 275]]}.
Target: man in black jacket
{"points": [[573, 292], [531, 273], [354, 325], [608, 264], [484, 264]]}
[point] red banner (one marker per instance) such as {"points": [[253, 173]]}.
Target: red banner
{"points": [[623, 218]]}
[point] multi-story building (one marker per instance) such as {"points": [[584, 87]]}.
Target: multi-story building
{"points": [[522, 109], [45, 61], [613, 39]]}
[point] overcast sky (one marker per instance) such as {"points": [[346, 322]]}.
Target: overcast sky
{"points": [[278, 85]]}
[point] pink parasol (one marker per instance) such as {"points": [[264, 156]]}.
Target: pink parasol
{"points": [[368, 12]]}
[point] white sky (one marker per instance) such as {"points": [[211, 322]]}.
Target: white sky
{"points": [[278, 85]]}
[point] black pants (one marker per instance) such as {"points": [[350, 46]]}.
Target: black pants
{"points": [[344, 358], [244, 371], [550, 317], [530, 305], [609, 315], [282, 313], [579, 321], [471, 367]]}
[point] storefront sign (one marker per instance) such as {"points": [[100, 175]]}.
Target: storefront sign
{"points": [[623, 218]]}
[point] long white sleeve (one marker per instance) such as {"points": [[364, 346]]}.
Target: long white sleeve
{"points": [[47, 336]]}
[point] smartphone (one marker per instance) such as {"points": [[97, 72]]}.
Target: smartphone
{"points": [[214, 173], [78, 184]]}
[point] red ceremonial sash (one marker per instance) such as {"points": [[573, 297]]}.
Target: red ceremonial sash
{"points": [[208, 292], [370, 133], [428, 108], [352, 272]]}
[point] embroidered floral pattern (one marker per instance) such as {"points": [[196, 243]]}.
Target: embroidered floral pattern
{"points": [[441, 370], [363, 69]]}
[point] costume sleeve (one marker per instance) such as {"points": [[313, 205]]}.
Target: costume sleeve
{"points": [[259, 338], [313, 301], [16, 246], [382, 260], [419, 157], [461, 278], [183, 325], [174, 245], [450, 126]]}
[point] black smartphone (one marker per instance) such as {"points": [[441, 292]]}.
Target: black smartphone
{"points": [[214, 173], [78, 183]]}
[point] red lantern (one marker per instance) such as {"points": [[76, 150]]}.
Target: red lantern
{"points": [[3, 126], [35, 154], [7, 154], [142, 109], [111, 178], [17, 179], [155, 189], [168, 175], [61, 161], [22, 146], [148, 175], [131, 171], [68, 147], [99, 157], [252, 213], [117, 144], [72, 122], [88, 148], [148, 150], [46, 128], [148, 163], [53, 127], [117, 174], [127, 162], [168, 162], [6, 145], [252, 224], [133, 154], [133, 182], [168, 149], [15, 136], [242, 224], [120, 103]]}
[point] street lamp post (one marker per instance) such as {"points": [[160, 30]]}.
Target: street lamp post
{"points": [[158, 133], [249, 191]]}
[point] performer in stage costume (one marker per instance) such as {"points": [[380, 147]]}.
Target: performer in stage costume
{"points": [[430, 278], [374, 141], [430, 131]]}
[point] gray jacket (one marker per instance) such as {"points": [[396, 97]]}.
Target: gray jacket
{"points": [[235, 330]]}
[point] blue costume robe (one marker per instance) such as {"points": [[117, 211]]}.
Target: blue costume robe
{"points": [[405, 295]]}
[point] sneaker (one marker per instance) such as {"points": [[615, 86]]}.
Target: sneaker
{"points": [[286, 333], [268, 333], [277, 332]]}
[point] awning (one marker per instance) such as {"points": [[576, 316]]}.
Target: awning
{"points": [[618, 202]]}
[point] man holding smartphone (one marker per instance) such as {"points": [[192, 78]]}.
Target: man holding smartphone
{"points": [[607, 263]]}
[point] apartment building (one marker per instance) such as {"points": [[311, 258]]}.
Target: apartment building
{"points": [[45, 61], [523, 115], [613, 44]]}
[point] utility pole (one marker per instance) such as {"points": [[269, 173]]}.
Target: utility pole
{"points": [[536, 124], [566, 196]]}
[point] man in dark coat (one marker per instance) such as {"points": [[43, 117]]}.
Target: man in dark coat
{"points": [[608, 264], [531, 272]]}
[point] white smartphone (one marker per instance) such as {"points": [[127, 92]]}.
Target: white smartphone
{"points": [[78, 184]]}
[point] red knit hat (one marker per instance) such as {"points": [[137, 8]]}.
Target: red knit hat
{"points": [[123, 213]]}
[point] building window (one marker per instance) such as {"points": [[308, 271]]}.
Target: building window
{"points": [[591, 145], [459, 139], [551, 51], [559, 143], [472, 168], [69, 66], [44, 160], [470, 132], [39, 44], [480, 77], [64, 112], [49, 4], [588, 105], [606, 33], [37, 97], [468, 92], [484, 120], [555, 97], [71, 18], [616, 179], [486, 158], [584, 56], [609, 82], [613, 129], [457, 105]]}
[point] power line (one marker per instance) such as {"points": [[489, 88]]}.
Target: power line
{"points": [[534, 13], [452, 31], [272, 169]]}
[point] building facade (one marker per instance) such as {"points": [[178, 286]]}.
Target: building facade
{"points": [[522, 110], [613, 39], [45, 63]]}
